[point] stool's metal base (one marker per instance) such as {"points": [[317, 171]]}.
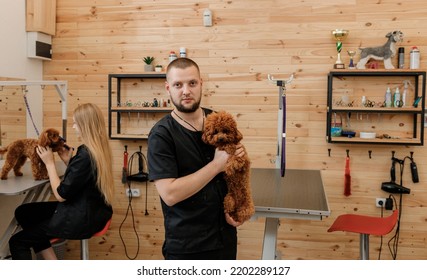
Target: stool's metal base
{"points": [[84, 249], [364, 246]]}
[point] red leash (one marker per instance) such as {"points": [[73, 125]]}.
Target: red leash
{"points": [[347, 176], [125, 165]]}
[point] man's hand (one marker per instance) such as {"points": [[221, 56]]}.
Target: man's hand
{"points": [[232, 222]]}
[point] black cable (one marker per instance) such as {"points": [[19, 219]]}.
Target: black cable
{"points": [[381, 237], [142, 160], [133, 225], [393, 243], [129, 209], [395, 238], [146, 197]]}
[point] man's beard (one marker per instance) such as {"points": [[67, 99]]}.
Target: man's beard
{"points": [[184, 109]]}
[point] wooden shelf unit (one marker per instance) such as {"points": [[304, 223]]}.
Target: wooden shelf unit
{"points": [[400, 125], [129, 116]]}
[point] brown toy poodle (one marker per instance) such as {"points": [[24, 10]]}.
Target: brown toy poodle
{"points": [[221, 131], [19, 150]]}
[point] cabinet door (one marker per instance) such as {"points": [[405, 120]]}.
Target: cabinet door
{"points": [[41, 16]]}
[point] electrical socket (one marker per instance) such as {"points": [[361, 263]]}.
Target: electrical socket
{"points": [[380, 202], [135, 193]]}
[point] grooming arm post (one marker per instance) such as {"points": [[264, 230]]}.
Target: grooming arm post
{"points": [[61, 88], [281, 123]]}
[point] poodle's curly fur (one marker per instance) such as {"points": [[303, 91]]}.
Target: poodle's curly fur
{"points": [[221, 131], [19, 150]]}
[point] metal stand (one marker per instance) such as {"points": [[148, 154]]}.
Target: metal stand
{"points": [[364, 246], [61, 88], [281, 123], [270, 239]]}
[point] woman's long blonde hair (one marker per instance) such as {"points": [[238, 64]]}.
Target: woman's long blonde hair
{"points": [[90, 121]]}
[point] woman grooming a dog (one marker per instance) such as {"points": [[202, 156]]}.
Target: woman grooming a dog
{"points": [[84, 194], [188, 174]]}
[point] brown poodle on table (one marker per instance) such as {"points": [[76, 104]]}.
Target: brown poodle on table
{"points": [[19, 150], [221, 131]]}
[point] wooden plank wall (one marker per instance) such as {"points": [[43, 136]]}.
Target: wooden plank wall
{"points": [[249, 40], [12, 114]]}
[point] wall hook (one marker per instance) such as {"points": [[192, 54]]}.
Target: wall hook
{"points": [[329, 152], [370, 154], [412, 155], [348, 153]]}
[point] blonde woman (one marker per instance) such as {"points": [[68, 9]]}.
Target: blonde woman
{"points": [[84, 194]]}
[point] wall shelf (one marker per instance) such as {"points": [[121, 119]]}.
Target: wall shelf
{"points": [[392, 125], [131, 99]]}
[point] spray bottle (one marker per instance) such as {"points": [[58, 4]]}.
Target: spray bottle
{"points": [[397, 103], [388, 101], [405, 91]]}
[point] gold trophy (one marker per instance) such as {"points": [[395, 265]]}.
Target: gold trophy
{"points": [[339, 36], [351, 64]]}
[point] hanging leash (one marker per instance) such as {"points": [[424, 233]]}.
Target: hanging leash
{"points": [[125, 165], [347, 176], [24, 91], [282, 106], [283, 155]]}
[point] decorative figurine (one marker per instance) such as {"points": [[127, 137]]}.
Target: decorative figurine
{"points": [[385, 52]]}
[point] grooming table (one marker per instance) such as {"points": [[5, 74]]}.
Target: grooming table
{"points": [[18, 190], [297, 195]]}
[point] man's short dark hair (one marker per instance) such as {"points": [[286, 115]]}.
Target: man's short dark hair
{"points": [[182, 63]]}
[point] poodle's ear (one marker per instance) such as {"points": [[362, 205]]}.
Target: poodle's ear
{"points": [[44, 139], [388, 35]]}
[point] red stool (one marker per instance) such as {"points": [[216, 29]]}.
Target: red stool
{"points": [[365, 225], [84, 243]]}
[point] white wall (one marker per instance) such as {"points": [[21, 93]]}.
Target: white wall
{"points": [[15, 64], [13, 57]]}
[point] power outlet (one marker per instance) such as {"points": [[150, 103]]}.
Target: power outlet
{"points": [[135, 193], [380, 202]]}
